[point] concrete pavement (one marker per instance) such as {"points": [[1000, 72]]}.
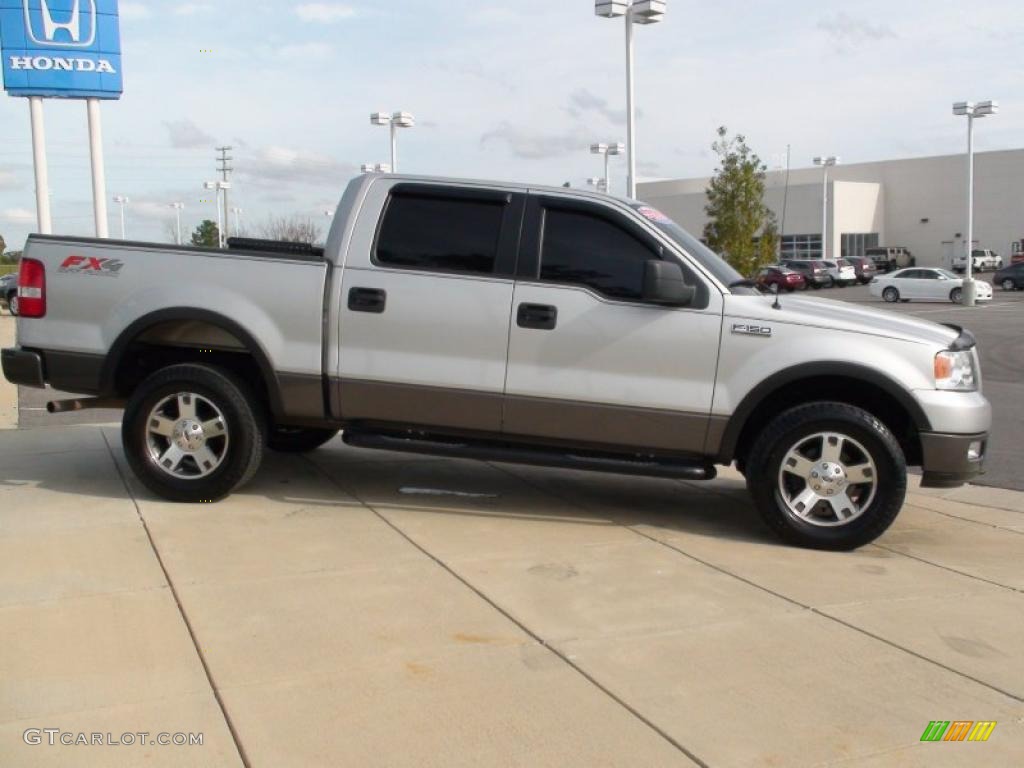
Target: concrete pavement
{"points": [[360, 608]]}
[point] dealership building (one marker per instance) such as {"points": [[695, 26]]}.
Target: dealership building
{"points": [[919, 203]]}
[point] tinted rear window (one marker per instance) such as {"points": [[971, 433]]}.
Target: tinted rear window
{"points": [[435, 233]]}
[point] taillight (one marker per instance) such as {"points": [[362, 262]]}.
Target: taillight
{"points": [[31, 288]]}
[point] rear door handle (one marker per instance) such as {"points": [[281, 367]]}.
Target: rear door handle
{"points": [[540, 316], [367, 300]]}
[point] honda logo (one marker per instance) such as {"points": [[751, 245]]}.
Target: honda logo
{"points": [[61, 28]]}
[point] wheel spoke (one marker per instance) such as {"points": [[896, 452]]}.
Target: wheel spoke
{"points": [[797, 465], [805, 501], [860, 473], [161, 425], [186, 405], [205, 459], [843, 506], [214, 428], [171, 458], [831, 447]]}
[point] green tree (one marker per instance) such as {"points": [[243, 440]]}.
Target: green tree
{"points": [[206, 235], [3, 245], [740, 226]]}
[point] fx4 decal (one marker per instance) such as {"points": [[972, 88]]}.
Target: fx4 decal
{"points": [[90, 265]]}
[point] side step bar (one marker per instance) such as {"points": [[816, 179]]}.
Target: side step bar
{"points": [[538, 456]]}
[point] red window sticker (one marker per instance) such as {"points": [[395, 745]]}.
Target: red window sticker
{"points": [[654, 215]]}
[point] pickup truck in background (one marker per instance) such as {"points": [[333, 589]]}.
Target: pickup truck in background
{"points": [[981, 259], [503, 322]]}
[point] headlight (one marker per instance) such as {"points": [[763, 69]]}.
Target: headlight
{"points": [[955, 371]]}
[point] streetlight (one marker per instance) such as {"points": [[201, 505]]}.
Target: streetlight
{"points": [[375, 168], [178, 207], [971, 110], [396, 120], [616, 148], [600, 183], [220, 187], [825, 163], [238, 219], [635, 12], [122, 201]]}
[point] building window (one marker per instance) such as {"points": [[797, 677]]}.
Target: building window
{"points": [[801, 246], [857, 243]]}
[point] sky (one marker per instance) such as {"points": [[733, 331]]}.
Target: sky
{"points": [[502, 90]]}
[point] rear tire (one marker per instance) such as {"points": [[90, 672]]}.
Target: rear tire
{"points": [[956, 295], [191, 433], [803, 470], [1008, 285], [297, 439], [891, 295]]}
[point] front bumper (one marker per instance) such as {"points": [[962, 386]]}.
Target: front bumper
{"points": [[22, 366], [949, 461]]}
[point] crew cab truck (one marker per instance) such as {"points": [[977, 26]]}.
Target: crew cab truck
{"points": [[503, 322]]}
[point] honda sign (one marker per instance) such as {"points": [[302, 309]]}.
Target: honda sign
{"points": [[63, 48]]}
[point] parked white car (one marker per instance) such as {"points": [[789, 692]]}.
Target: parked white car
{"points": [[981, 259], [841, 271], [925, 284]]}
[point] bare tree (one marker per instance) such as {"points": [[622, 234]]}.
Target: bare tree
{"points": [[292, 229]]}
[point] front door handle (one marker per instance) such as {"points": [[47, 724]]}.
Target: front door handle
{"points": [[541, 316], [367, 300]]}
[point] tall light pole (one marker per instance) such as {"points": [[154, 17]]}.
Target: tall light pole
{"points": [[396, 120], [971, 110], [122, 201], [178, 207], [219, 187], [375, 168], [238, 219], [825, 163], [616, 148], [635, 12]]}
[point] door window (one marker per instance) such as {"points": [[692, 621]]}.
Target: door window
{"points": [[583, 249], [440, 234]]}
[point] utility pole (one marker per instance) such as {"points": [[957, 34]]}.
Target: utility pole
{"points": [[225, 168]]}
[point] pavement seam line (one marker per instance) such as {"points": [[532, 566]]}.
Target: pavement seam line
{"points": [[181, 609], [951, 516], [788, 599], [947, 568], [529, 632]]}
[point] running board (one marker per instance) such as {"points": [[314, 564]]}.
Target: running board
{"points": [[646, 466]]}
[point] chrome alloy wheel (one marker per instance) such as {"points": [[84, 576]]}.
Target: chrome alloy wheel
{"points": [[827, 479], [187, 436]]}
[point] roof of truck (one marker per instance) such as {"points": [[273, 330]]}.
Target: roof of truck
{"points": [[493, 184]]}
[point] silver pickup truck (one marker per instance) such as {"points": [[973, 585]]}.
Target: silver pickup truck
{"points": [[509, 323]]}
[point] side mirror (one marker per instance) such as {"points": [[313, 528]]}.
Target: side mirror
{"points": [[664, 284]]}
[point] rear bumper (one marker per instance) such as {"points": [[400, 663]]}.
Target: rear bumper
{"points": [[949, 460], [23, 367]]}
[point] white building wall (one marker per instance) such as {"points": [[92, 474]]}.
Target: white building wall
{"points": [[919, 203]]}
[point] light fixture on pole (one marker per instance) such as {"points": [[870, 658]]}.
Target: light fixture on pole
{"points": [[825, 163], [614, 148], [395, 120], [971, 110], [178, 207], [122, 201], [635, 12], [598, 182], [375, 168], [219, 187]]}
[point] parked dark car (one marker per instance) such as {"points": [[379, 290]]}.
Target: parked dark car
{"points": [[814, 271], [1010, 277], [864, 267], [786, 279], [9, 290]]}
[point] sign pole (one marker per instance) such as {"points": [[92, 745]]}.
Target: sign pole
{"points": [[35, 104], [99, 179]]}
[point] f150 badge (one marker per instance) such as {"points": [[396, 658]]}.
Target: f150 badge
{"points": [[751, 330], [90, 265]]}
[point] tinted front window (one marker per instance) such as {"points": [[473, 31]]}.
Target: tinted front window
{"points": [[588, 250], [435, 233]]}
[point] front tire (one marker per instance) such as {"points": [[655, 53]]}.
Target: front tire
{"points": [[891, 295], [193, 433], [827, 475], [956, 295], [297, 439]]}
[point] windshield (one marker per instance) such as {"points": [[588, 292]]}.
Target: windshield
{"points": [[703, 255]]}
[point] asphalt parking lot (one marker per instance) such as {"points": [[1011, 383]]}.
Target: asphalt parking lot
{"points": [[377, 609]]}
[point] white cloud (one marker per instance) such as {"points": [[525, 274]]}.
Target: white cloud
{"points": [[18, 215], [846, 30], [191, 9], [132, 11], [535, 146], [284, 165], [184, 134], [306, 52], [325, 12], [9, 181]]}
